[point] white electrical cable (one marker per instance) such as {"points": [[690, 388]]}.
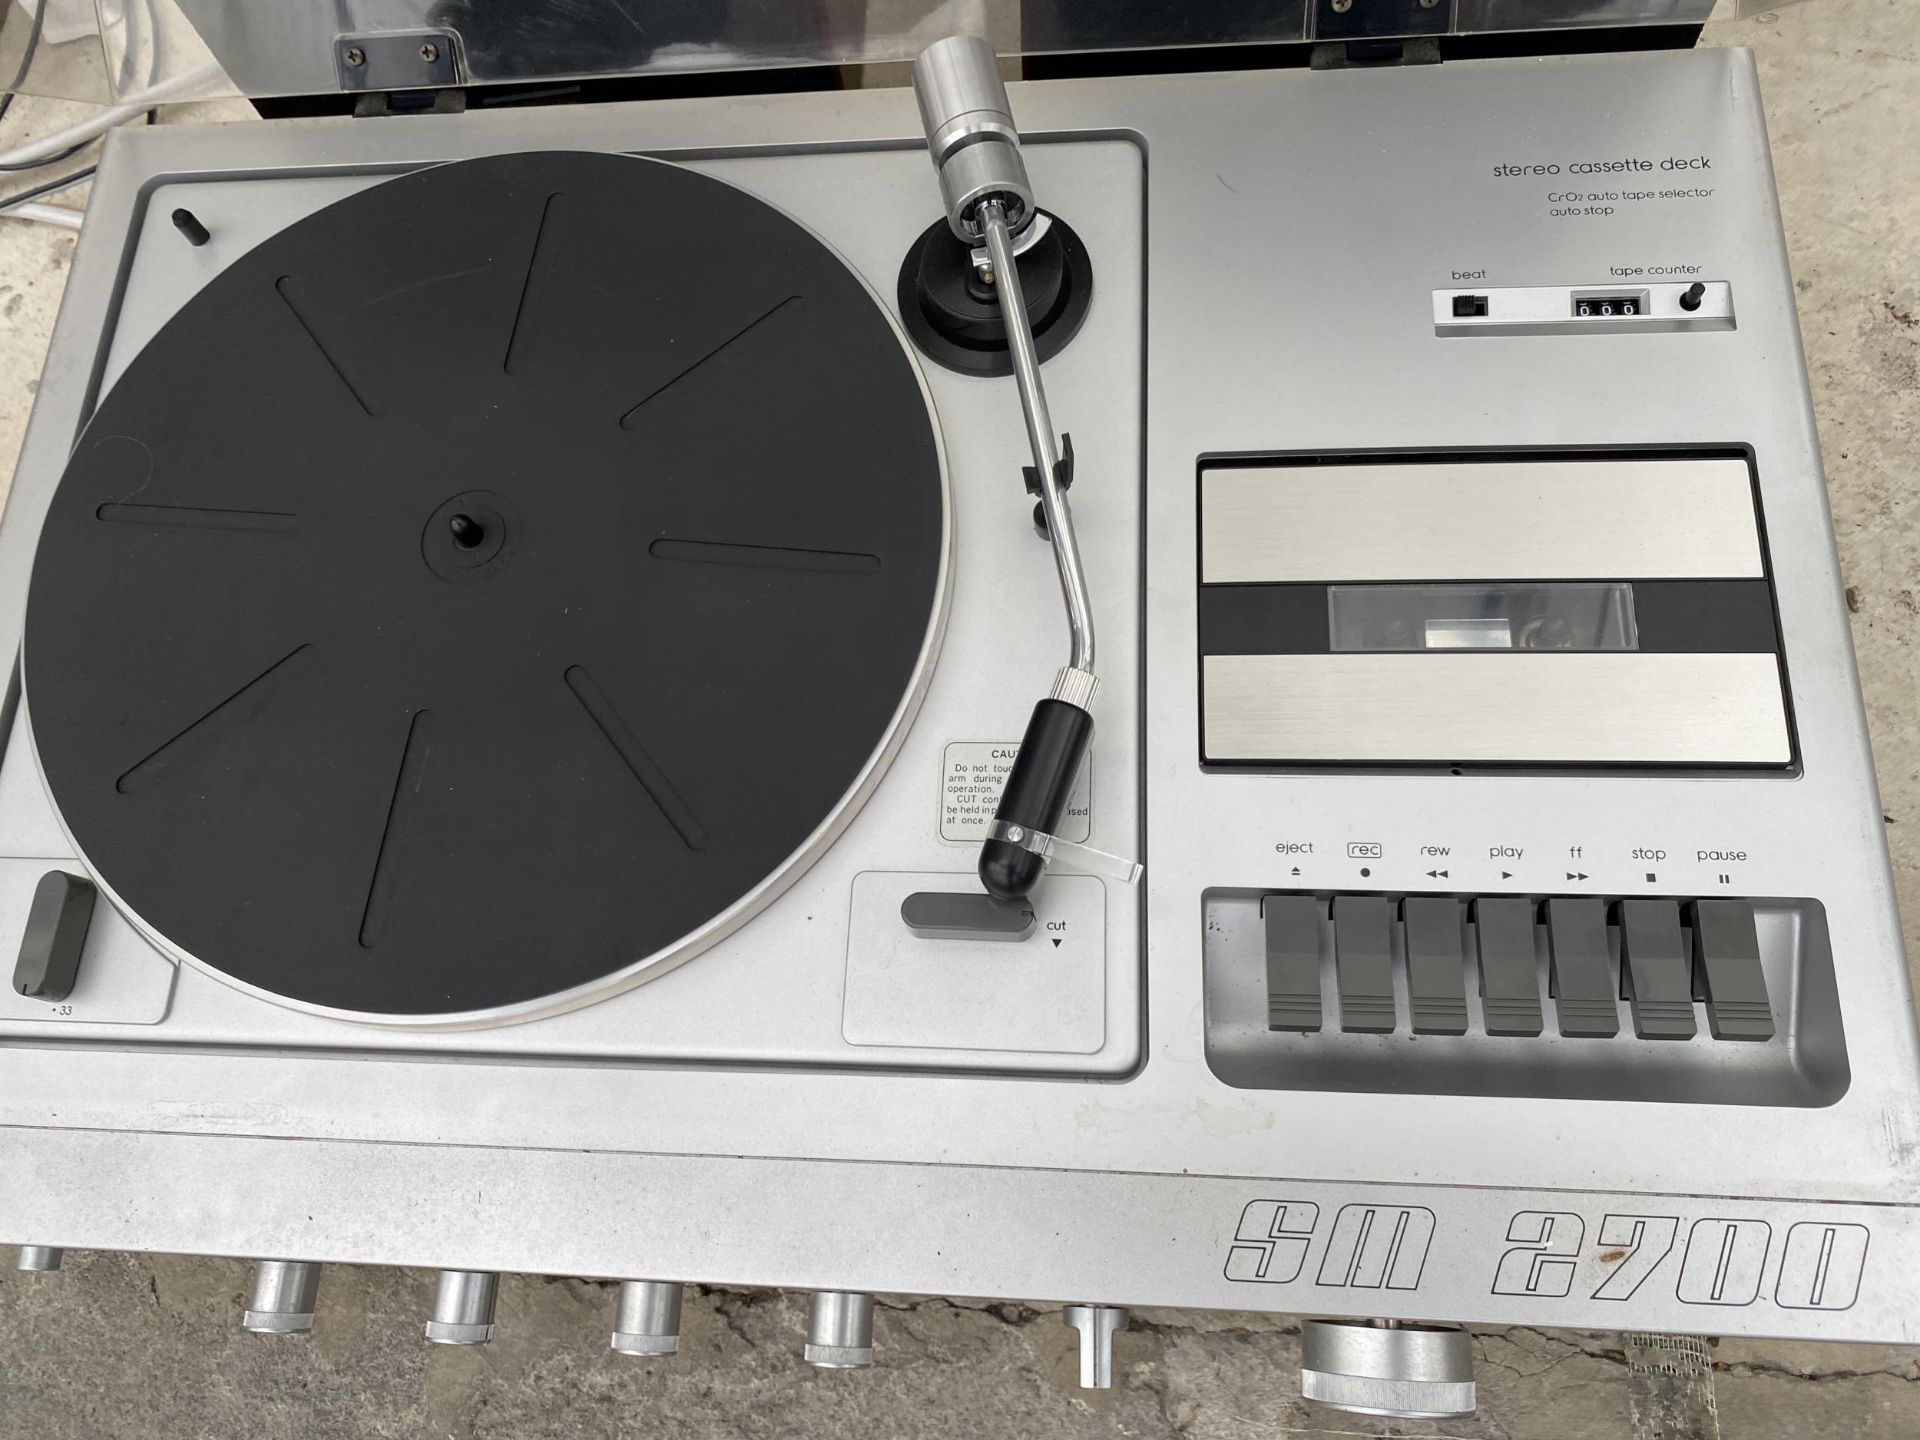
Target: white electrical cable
{"points": [[176, 87], [64, 216]]}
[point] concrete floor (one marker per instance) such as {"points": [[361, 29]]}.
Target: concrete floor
{"points": [[132, 1346]]}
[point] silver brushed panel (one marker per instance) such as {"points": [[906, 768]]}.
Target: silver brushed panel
{"points": [[1521, 520], [1550, 709], [762, 1146]]}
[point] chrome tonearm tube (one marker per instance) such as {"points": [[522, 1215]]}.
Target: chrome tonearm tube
{"points": [[989, 201]]}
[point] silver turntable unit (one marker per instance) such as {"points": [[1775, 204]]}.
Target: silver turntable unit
{"points": [[524, 755]]}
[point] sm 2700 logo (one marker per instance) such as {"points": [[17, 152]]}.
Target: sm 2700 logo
{"points": [[1711, 1260], [1369, 1247]]}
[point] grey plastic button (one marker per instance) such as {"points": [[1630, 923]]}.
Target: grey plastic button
{"points": [[1658, 977], [966, 915], [1363, 962], [1436, 965], [1293, 961], [1586, 996], [1727, 948], [1509, 971], [56, 933]]}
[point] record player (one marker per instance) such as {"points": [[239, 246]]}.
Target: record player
{"points": [[558, 725]]}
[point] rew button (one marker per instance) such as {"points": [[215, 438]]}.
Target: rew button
{"points": [[1436, 965]]}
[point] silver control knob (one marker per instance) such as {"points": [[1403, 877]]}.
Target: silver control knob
{"points": [[840, 1331], [463, 1308], [970, 134], [281, 1302], [41, 1257], [1415, 1372], [1097, 1324], [647, 1320]]}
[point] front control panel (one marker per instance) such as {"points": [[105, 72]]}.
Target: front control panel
{"points": [[1665, 307], [1712, 1000]]}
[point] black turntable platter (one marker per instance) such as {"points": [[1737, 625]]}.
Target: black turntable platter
{"points": [[503, 577]]}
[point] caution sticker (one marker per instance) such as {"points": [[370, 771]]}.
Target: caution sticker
{"points": [[972, 774]]}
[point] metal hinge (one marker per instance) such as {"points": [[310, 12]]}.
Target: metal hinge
{"points": [[402, 72], [1351, 33]]}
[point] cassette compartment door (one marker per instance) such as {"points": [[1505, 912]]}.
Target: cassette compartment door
{"points": [[1538, 611]]}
